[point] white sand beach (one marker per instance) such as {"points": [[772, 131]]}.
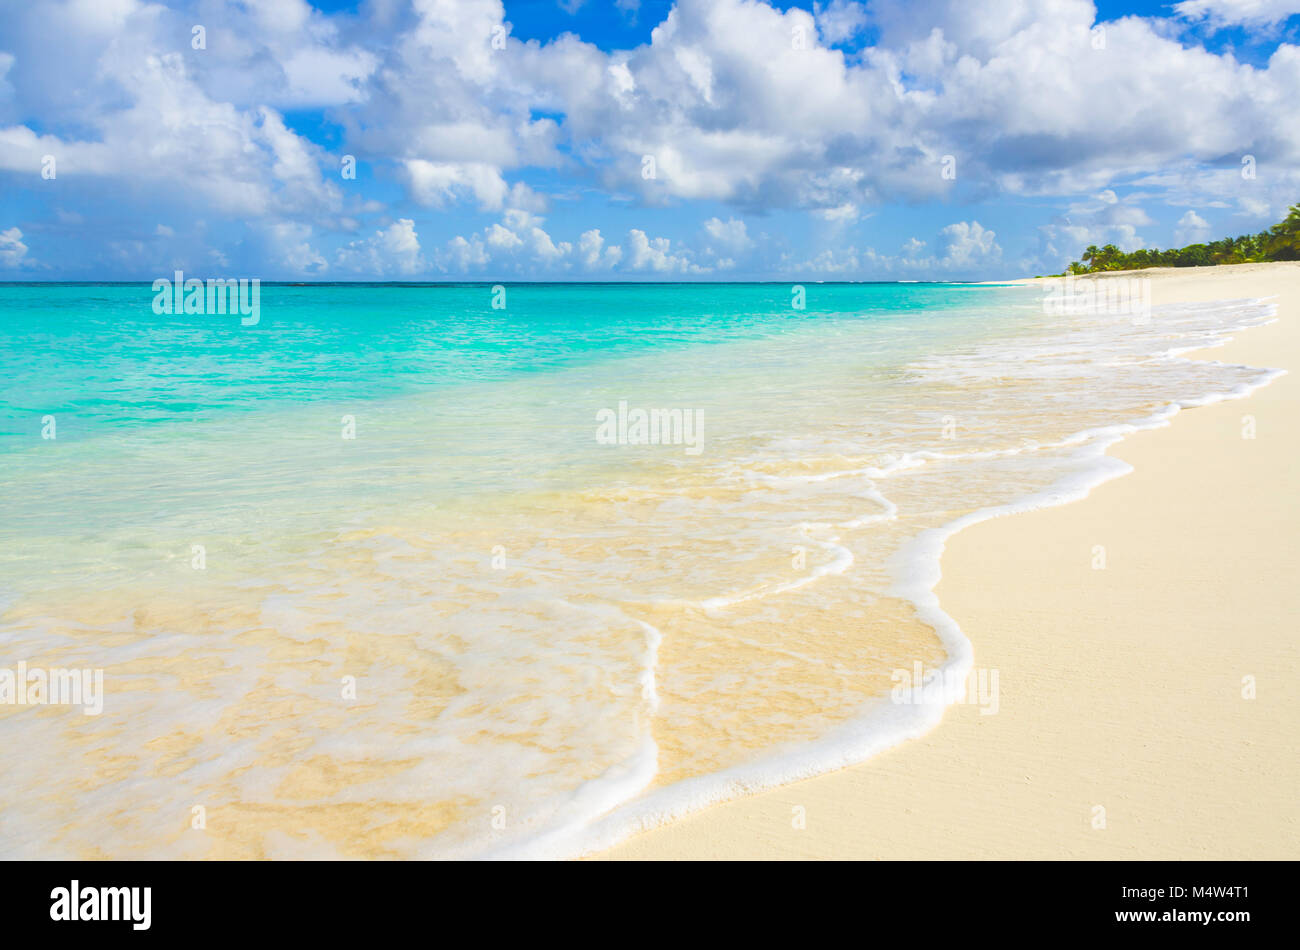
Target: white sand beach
{"points": [[1147, 709]]}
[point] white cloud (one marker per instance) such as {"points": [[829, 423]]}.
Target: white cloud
{"points": [[390, 251], [277, 52], [840, 20], [841, 214], [502, 238], [968, 249], [1191, 229], [1225, 13], [719, 96], [1014, 89], [293, 250], [12, 249], [519, 242], [174, 139], [457, 112], [463, 255], [435, 184], [840, 261], [969, 244], [657, 255], [536, 241], [730, 236], [594, 254], [1104, 218]]}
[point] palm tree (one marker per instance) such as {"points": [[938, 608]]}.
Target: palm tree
{"points": [[1284, 238]]}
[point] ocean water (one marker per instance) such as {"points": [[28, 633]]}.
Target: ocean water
{"points": [[391, 574]]}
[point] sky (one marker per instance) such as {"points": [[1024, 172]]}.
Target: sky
{"points": [[634, 139]]}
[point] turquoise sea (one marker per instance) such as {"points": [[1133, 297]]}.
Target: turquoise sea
{"points": [[397, 572]]}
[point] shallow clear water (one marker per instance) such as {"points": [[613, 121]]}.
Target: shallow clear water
{"points": [[366, 578]]}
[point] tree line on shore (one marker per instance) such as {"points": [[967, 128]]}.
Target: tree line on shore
{"points": [[1281, 242]]}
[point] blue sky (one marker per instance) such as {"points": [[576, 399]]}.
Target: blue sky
{"points": [[702, 139]]}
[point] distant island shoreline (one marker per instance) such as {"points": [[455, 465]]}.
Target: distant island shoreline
{"points": [[1281, 242]]}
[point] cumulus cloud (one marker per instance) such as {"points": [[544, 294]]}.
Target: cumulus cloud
{"points": [[730, 236], [1191, 229], [968, 250], [841, 214], [292, 250], [840, 20], [968, 244], [657, 255], [519, 243], [441, 98], [463, 255], [454, 101], [594, 254], [12, 248], [390, 251], [1103, 218], [1016, 91], [172, 138], [435, 184], [123, 94], [1225, 13]]}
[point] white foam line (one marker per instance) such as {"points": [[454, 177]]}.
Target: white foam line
{"points": [[889, 514], [649, 686], [614, 787], [611, 789], [883, 724], [841, 562]]}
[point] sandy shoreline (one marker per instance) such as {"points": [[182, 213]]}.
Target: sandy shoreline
{"points": [[1122, 729]]}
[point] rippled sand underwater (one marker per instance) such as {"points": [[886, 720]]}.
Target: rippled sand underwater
{"points": [[473, 630]]}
